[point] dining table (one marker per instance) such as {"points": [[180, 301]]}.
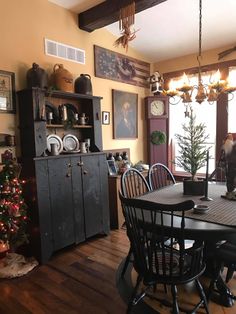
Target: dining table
{"points": [[217, 223]]}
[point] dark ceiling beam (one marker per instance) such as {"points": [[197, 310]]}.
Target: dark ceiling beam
{"points": [[107, 13]]}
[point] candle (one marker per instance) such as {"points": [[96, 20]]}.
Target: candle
{"points": [[64, 113], [205, 197], [43, 113], [49, 117]]}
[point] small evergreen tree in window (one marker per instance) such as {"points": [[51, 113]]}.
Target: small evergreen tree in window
{"points": [[192, 150]]}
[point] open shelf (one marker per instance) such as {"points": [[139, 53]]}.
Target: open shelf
{"points": [[53, 126]]}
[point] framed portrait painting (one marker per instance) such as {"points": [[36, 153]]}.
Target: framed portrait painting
{"points": [[125, 115], [7, 92]]}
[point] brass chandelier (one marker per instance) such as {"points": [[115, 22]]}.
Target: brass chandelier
{"points": [[204, 92]]}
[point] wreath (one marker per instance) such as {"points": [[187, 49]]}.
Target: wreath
{"points": [[158, 137]]}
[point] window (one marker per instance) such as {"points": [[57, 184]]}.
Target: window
{"points": [[205, 113], [232, 104]]}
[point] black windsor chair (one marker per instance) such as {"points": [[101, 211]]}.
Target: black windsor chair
{"points": [[133, 184], [224, 255], [160, 176], [148, 224]]}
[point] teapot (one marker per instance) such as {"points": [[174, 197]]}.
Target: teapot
{"points": [[83, 84]]}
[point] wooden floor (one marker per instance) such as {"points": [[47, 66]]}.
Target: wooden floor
{"points": [[79, 280]]}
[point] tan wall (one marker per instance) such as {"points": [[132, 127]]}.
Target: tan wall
{"points": [[189, 61], [24, 24]]}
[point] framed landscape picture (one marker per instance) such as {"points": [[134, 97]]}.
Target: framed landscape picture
{"points": [[7, 92], [125, 111]]}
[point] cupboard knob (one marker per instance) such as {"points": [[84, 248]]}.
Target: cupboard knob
{"points": [[80, 163], [85, 172], [69, 171]]}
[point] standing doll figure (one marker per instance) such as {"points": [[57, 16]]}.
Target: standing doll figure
{"points": [[229, 152]]}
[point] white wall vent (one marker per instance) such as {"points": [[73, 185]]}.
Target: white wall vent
{"points": [[53, 48]]}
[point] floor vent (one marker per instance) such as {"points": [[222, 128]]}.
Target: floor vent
{"points": [[53, 48]]}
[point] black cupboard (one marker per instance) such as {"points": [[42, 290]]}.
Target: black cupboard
{"points": [[67, 195]]}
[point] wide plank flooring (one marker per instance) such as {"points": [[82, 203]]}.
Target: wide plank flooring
{"points": [[78, 280]]}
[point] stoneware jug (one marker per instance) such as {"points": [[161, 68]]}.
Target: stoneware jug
{"points": [[62, 79], [83, 84], [36, 77]]}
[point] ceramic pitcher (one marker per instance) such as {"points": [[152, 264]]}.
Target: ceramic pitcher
{"points": [[83, 147], [83, 119]]}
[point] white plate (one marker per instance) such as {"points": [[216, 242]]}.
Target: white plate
{"points": [[70, 143], [52, 138]]}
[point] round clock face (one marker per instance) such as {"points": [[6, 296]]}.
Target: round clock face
{"points": [[157, 108]]}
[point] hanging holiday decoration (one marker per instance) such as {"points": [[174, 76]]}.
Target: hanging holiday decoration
{"points": [[13, 216], [126, 20]]}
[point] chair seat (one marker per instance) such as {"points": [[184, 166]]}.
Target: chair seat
{"points": [[165, 276]]}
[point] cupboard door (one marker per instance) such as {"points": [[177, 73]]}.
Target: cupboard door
{"points": [[78, 199], [93, 198], [44, 249], [60, 185]]}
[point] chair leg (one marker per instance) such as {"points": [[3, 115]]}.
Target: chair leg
{"points": [[131, 302], [202, 295], [127, 260], [174, 297]]}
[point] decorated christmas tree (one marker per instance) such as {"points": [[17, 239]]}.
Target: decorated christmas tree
{"points": [[13, 216], [192, 146]]}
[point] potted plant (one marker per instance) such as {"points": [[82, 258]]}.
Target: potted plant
{"points": [[193, 154]]}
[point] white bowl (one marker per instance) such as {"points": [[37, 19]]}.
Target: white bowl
{"points": [[200, 209]]}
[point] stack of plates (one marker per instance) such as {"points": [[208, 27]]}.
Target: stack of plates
{"points": [[200, 209]]}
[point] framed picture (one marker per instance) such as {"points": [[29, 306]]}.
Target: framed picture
{"points": [[7, 92], [112, 168], [125, 114], [118, 67], [105, 117]]}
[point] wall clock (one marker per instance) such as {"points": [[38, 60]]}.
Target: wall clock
{"points": [[157, 107], [157, 121]]}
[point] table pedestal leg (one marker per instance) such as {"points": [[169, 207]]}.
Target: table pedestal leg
{"points": [[226, 297]]}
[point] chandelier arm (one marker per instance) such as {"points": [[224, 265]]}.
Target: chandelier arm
{"points": [[172, 100]]}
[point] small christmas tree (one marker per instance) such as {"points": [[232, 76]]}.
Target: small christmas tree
{"points": [[13, 216], [192, 151]]}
